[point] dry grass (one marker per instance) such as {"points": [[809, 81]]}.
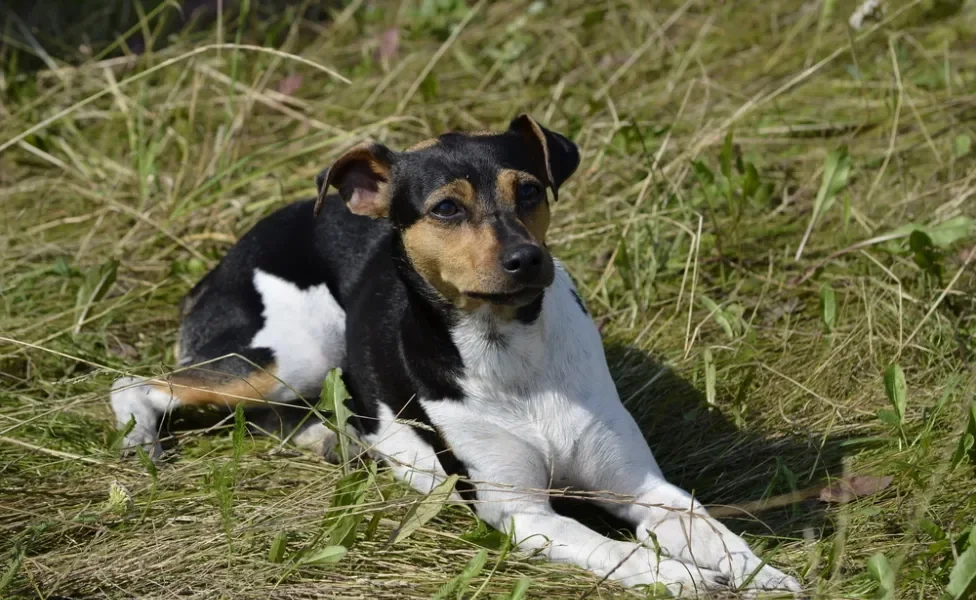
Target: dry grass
{"points": [[161, 161]]}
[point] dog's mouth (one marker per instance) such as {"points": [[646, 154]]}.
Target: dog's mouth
{"points": [[519, 297]]}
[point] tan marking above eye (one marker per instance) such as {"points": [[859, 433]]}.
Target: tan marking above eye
{"points": [[460, 190], [456, 259], [506, 183]]}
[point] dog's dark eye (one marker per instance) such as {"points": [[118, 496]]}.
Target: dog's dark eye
{"points": [[529, 193], [446, 209]]}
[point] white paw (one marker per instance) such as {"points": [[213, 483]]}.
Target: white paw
{"points": [[319, 439], [747, 574], [644, 568], [130, 401]]}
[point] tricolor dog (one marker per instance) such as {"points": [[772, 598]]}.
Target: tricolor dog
{"points": [[464, 345]]}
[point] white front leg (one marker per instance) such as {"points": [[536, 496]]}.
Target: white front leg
{"points": [[614, 457], [516, 500]]}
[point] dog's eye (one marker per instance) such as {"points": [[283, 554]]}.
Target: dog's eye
{"points": [[529, 193], [446, 209]]}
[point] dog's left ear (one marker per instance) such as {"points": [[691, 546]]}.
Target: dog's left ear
{"points": [[362, 176], [560, 156]]}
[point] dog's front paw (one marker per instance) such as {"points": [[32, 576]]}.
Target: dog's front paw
{"points": [[749, 574], [643, 568]]}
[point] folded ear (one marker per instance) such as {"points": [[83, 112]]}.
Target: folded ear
{"points": [[560, 156], [362, 176]]}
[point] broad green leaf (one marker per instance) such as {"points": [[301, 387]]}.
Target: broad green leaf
{"points": [[828, 307], [428, 87], [925, 253], [324, 556], [424, 510], [98, 281], [520, 589], [486, 537], [276, 553], [962, 579], [719, 315], [657, 590], [460, 583], [880, 570], [332, 399], [932, 530], [147, 462], [950, 231], [725, 158], [961, 145], [763, 195], [896, 390], [709, 377], [942, 235], [704, 174], [837, 169], [750, 182], [344, 516], [888, 417], [967, 441]]}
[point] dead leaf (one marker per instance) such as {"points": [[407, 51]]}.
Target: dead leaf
{"points": [[389, 44], [289, 85], [845, 490]]}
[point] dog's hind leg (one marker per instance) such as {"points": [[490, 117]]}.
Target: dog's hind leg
{"points": [[146, 401]]}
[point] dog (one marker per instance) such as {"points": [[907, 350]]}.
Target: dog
{"points": [[464, 345]]}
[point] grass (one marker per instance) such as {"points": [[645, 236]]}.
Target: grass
{"points": [[770, 211]]}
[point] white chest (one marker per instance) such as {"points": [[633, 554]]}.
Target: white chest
{"points": [[546, 382]]}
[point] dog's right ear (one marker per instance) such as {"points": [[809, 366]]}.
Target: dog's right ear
{"points": [[362, 176]]}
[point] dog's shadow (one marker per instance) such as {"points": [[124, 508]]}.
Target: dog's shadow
{"points": [[702, 450]]}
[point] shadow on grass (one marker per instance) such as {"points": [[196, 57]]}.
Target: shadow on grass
{"points": [[703, 451]]}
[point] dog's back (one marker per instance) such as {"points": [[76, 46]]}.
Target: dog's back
{"points": [[266, 324]]}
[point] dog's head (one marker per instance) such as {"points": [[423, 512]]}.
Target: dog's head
{"points": [[471, 209]]}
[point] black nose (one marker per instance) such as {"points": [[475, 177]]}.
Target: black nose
{"points": [[523, 262]]}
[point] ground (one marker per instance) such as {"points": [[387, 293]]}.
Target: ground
{"points": [[772, 223]]}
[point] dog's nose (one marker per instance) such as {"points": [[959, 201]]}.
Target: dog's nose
{"points": [[523, 262]]}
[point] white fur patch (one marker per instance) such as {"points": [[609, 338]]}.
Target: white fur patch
{"points": [[305, 329]]}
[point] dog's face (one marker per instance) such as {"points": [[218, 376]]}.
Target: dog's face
{"points": [[472, 210]]}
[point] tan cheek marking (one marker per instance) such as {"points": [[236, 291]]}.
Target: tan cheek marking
{"points": [[425, 244], [455, 259], [196, 391]]}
